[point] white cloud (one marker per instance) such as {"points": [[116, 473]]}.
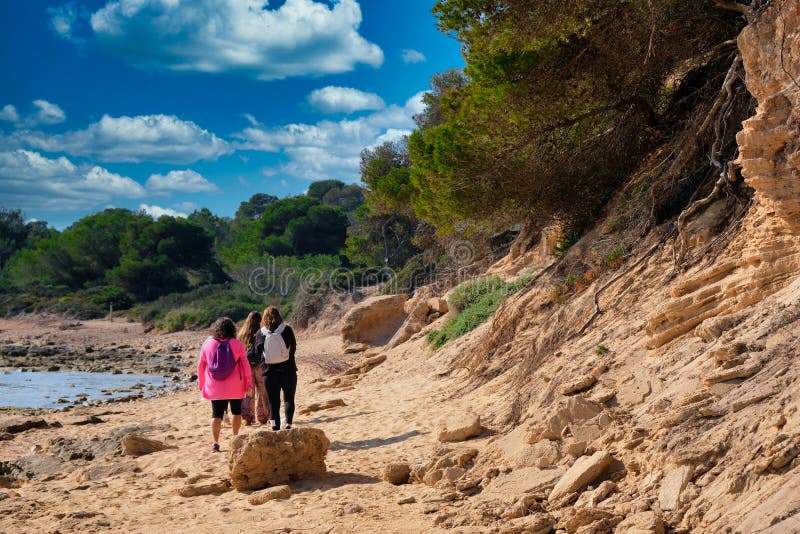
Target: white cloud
{"points": [[63, 18], [100, 179], [299, 38], [47, 113], [44, 113], [186, 181], [158, 138], [29, 180], [188, 207], [413, 56], [9, 113], [331, 149], [157, 211], [332, 99]]}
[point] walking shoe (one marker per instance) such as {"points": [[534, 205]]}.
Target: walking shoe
{"points": [[288, 426], [215, 447]]}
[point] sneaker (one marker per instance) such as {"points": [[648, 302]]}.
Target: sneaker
{"points": [[275, 427], [215, 447]]}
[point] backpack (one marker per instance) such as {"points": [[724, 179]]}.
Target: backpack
{"points": [[275, 349], [255, 351], [222, 361]]}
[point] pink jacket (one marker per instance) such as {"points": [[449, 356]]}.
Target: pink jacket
{"points": [[233, 387]]}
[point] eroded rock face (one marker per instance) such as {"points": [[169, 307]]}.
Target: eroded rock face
{"points": [[769, 143], [266, 458], [374, 320], [765, 256]]}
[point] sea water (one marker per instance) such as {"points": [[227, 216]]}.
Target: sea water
{"points": [[57, 390]]}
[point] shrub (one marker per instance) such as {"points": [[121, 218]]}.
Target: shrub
{"points": [[476, 300], [614, 258]]}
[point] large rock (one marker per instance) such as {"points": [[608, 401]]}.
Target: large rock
{"points": [[574, 409], [641, 523], [460, 429], [266, 458], [374, 320], [524, 480], [14, 425], [441, 458], [537, 523], [136, 445], [583, 472], [669, 496]]}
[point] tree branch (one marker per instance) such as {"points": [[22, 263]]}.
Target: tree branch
{"points": [[734, 6]]}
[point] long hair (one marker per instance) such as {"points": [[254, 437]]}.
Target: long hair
{"points": [[223, 328], [271, 318], [249, 328]]}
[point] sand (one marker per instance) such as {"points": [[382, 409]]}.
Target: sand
{"points": [[388, 417]]}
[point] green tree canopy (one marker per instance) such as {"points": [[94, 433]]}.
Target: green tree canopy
{"points": [[252, 209], [318, 189], [556, 92]]}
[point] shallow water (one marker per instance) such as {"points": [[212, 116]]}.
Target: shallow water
{"points": [[44, 390]]}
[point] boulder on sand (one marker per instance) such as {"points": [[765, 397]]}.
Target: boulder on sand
{"points": [[460, 429], [136, 445], [396, 473], [374, 320], [267, 458]]}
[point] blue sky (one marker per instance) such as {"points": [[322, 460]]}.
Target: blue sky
{"points": [[173, 105]]}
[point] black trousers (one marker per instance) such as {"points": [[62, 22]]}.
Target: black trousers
{"points": [[276, 381]]}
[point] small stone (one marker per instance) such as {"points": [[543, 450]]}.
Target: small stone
{"points": [[396, 473], [407, 500], [577, 385], [270, 494], [741, 371], [641, 523], [216, 487]]}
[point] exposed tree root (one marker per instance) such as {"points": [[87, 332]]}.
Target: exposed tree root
{"points": [[719, 112]]}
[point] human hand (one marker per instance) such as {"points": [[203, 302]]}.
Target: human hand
{"points": [[250, 393]]}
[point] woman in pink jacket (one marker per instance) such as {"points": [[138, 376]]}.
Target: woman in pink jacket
{"points": [[223, 375]]}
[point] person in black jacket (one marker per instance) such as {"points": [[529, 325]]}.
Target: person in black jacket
{"points": [[278, 366]]}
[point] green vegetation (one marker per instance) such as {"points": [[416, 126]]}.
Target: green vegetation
{"points": [[475, 300], [173, 272], [614, 258], [600, 350]]}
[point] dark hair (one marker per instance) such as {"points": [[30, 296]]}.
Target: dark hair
{"points": [[271, 318], [223, 328]]}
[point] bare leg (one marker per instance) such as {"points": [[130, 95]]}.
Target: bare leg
{"points": [[236, 423], [216, 425]]}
